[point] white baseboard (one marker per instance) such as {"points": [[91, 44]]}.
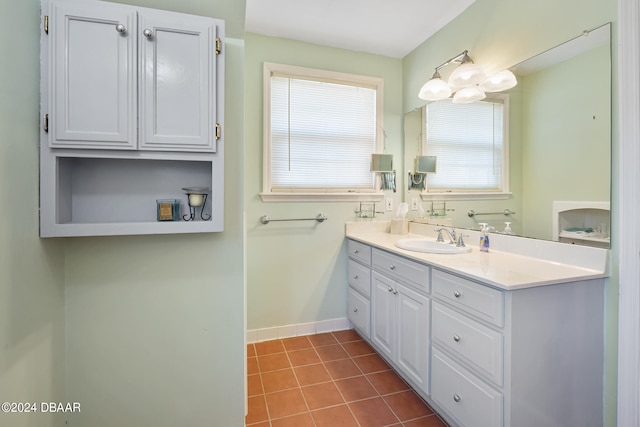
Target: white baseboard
{"points": [[289, 331]]}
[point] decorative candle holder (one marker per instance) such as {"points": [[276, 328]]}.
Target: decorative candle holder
{"points": [[197, 197]]}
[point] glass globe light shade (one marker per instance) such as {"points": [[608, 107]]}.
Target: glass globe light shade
{"points": [[467, 74], [468, 94], [435, 90], [498, 82]]}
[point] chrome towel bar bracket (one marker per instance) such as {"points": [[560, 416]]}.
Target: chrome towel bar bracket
{"points": [[265, 219]]}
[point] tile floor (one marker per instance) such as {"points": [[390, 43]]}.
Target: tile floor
{"points": [[333, 379]]}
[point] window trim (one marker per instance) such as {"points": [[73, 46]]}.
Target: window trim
{"points": [[505, 193], [315, 195]]}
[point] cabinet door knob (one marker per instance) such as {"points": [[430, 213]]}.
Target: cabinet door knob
{"points": [[121, 28], [456, 398], [355, 310], [457, 294], [147, 33], [456, 337], [390, 290], [355, 277], [393, 267], [355, 251], [395, 292]]}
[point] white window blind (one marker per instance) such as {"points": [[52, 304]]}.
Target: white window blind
{"points": [[468, 141], [322, 134]]}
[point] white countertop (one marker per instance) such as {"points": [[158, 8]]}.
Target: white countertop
{"points": [[502, 269]]}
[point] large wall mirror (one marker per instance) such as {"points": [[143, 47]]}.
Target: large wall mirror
{"points": [[559, 167]]}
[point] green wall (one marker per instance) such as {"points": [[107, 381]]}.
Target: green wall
{"points": [[296, 270], [32, 337]]}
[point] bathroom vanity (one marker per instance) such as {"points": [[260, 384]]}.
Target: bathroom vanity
{"points": [[505, 338]]}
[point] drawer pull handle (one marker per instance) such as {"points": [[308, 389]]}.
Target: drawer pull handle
{"points": [[457, 294], [456, 337], [456, 398], [393, 267]]}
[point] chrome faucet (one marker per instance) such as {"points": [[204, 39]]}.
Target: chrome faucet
{"points": [[452, 235]]}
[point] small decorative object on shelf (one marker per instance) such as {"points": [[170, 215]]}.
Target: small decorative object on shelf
{"points": [[168, 209], [197, 198]]}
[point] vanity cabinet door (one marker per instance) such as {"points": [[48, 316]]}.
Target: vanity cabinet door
{"points": [[359, 312], [92, 76], [383, 316], [177, 82], [413, 336]]}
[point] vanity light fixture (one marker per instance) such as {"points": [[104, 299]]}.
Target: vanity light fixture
{"points": [[468, 81]]}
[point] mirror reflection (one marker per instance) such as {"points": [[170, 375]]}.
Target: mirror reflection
{"points": [[558, 155]]}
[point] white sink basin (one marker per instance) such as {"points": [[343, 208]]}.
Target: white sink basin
{"points": [[425, 244]]}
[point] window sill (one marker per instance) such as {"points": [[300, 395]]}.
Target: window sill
{"points": [[322, 197], [466, 196]]}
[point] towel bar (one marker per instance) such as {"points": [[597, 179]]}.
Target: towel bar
{"points": [[265, 219], [505, 212]]}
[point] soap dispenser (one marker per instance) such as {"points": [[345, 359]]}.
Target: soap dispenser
{"points": [[484, 237]]}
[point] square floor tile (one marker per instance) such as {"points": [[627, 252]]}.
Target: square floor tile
{"points": [[254, 385], [273, 362], [429, 421], [358, 348], [319, 340], [347, 336], [373, 412], [278, 380], [251, 350], [387, 382], [300, 420], [257, 410], [344, 368], [407, 405], [285, 403], [296, 343], [337, 416], [303, 357], [269, 347], [331, 352], [311, 374], [356, 388], [371, 363], [252, 366], [322, 395]]}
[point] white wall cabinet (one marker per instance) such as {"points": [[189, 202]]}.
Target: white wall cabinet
{"points": [[132, 103], [488, 357]]}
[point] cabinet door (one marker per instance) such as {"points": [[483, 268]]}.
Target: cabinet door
{"points": [[383, 314], [413, 336], [359, 312], [92, 65], [177, 82]]}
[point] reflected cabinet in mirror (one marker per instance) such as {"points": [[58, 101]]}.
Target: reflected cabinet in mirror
{"points": [[552, 162]]}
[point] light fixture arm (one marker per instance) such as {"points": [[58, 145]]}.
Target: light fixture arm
{"points": [[464, 55]]}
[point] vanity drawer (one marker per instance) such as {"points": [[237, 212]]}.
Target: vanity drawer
{"points": [[402, 269], [467, 399], [475, 344], [360, 278], [478, 300], [359, 251], [358, 312]]}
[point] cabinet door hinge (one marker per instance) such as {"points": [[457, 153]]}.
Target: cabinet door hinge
{"points": [[218, 131], [45, 122], [218, 45], [46, 24]]}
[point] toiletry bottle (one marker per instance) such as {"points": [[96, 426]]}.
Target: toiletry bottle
{"points": [[484, 237]]}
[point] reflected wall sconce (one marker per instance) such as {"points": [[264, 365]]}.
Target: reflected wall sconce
{"points": [[468, 82]]}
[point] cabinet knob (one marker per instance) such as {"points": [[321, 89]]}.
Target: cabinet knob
{"points": [[456, 398], [457, 294], [390, 290], [147, 33], [356, 251], [393, 267], [456, 337], [395, 292], [355, 310], [121, 28], [355, 277]]}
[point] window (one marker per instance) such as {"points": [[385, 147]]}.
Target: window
{"points": [[320, 129], [470, 142]]}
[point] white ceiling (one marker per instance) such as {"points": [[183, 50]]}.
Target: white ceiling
{"points": [[391, 28]]}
